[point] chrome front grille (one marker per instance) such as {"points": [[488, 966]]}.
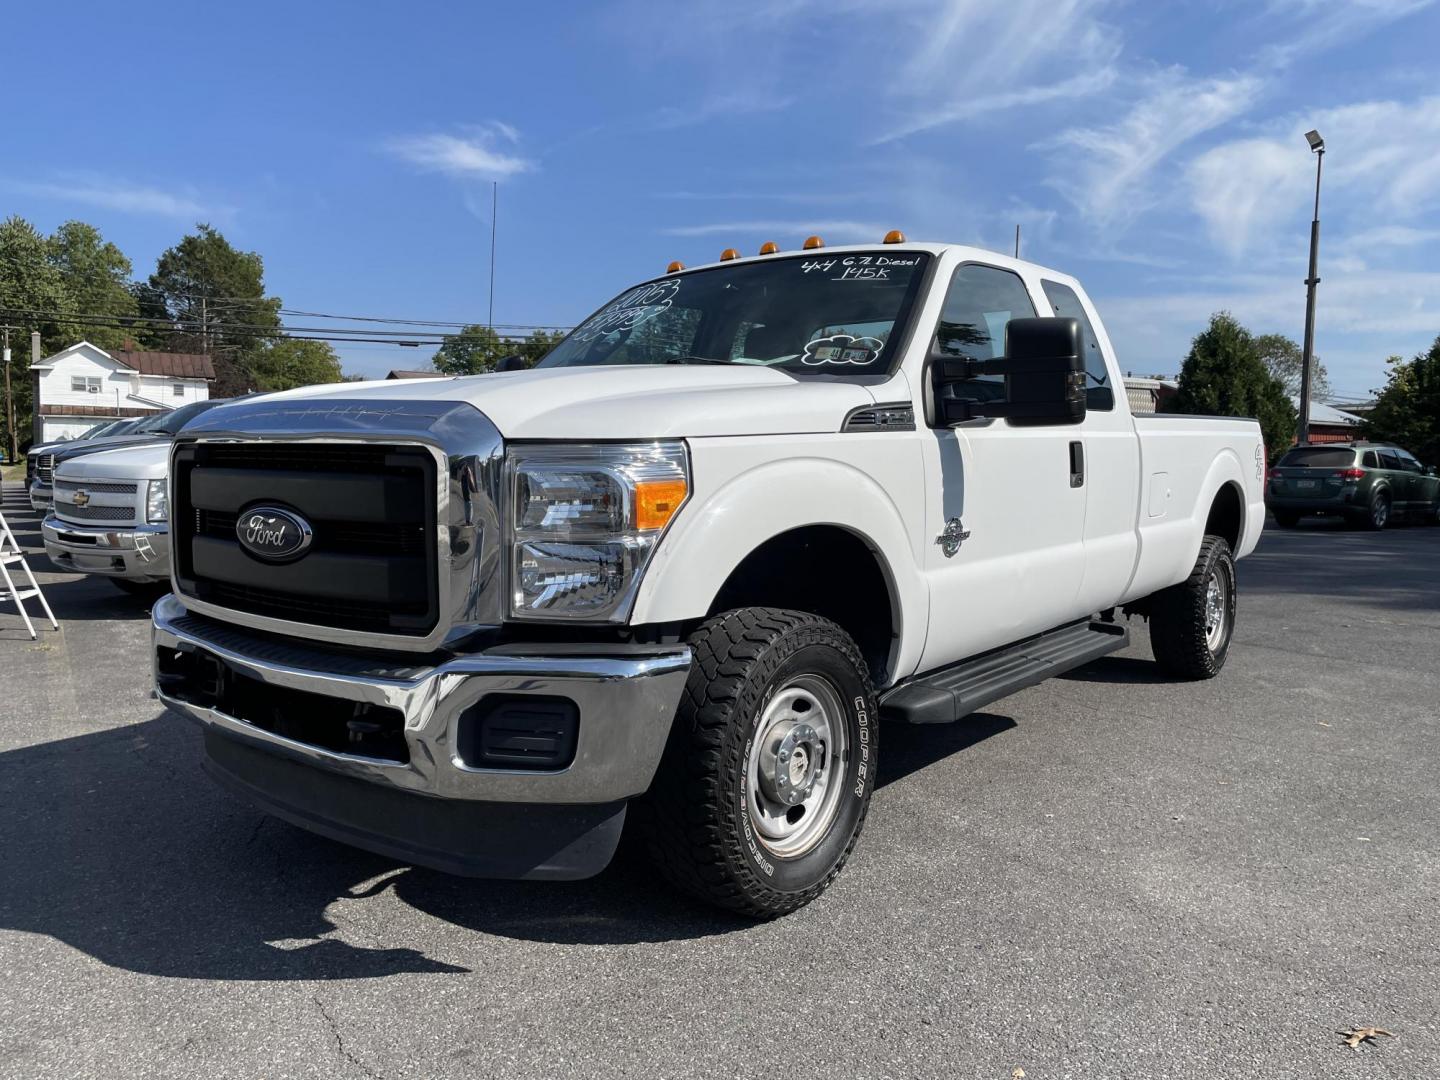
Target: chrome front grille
{"points": [[106, 487], [45, 468], [91, 512]]}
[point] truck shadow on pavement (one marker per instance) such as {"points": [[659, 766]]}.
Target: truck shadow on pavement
{"points": [[119, 846]]}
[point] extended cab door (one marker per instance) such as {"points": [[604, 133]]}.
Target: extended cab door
{"points": [[1004, 513]]}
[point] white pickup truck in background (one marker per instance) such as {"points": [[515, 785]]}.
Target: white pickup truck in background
{"points": [[109, 517], [684, 567]]}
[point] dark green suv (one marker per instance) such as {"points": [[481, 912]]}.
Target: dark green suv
{"points": [[1372, 484]]}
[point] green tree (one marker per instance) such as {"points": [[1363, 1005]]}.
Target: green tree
{"points": [[213, 296], [476, 349], [1407, 410], [29, 284], [1224, 376], [95, 275], [292, 362], [1282, 358]]}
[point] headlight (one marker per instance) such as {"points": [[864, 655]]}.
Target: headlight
{"points": [[156, 508], [585, 521]]}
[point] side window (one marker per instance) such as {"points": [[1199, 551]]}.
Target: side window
{"points": [[1389, 460], [1408, 463], [1098, 392], [1371, 460], [979, 304]]}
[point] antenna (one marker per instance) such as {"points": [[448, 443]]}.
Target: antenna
{"points": [[1017, 240]]}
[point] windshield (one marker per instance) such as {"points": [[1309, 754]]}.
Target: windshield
{"points": [[171, 422], [839, 314]]}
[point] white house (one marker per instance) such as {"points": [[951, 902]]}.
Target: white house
{"points": [[83, 386]]}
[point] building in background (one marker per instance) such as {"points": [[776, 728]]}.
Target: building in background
{"points": [[1329, 424], [402, 373], [83, 385]]}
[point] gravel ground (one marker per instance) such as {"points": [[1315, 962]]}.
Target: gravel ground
{"points": [[1109, 875]]}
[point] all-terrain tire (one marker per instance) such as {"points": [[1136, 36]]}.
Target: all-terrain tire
{"points": [[1181, 616], [696, 819]]}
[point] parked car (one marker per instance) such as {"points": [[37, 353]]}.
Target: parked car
{"points": [[681, 567], [1370, 484], [41, 461], [109, 517]]}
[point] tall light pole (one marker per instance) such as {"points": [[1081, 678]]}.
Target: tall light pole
{"points": [[1307, 357]]}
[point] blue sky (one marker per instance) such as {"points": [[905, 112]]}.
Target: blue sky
{"points": [[1153, 149]]}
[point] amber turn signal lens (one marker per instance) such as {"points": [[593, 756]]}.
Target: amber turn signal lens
{"points": [[894, 236], [728, 254], [813, 242], [675, 267], [769, 247], [656, 502]]}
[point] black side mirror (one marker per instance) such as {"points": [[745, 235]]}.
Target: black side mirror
{"points": [[1044, 369], [513, 362]]}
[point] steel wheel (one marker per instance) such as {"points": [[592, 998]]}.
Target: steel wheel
{"points": [[1217, 609], [793, 772]]}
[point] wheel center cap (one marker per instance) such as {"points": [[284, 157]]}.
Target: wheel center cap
{"points": [[790, 762]]}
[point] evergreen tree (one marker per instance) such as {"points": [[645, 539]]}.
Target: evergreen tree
{"points": [[1224, 376], [29, 286], [1407, 410]]}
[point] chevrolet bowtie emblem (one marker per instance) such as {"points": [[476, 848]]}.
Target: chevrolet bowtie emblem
{"points": [[80, 498]]}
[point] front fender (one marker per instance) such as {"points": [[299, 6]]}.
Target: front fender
{"points": [[724, 524]]}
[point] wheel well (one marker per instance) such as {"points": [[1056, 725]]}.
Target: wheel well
{"points": [[1227, 516], [828, 571]]}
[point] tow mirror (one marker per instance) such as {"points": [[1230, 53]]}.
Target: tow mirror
{"points": [[513, 362], [1044, 371]]}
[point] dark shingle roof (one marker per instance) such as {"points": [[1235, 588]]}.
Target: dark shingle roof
{"points": [[174, 365], [401, 373]]}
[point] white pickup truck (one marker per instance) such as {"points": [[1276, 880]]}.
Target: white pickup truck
{"points": [[109, 517], [686, 565]]}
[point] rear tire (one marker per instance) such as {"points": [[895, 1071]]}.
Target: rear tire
{"points": [[726, 819], [1191, 623], [1286, 520], [1379, 514]]}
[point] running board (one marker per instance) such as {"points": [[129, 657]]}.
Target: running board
{"points": [[944, 696]]}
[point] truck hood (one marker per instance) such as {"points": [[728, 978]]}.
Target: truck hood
{"points": [[150, 461], [95, 446], [628, 402]]}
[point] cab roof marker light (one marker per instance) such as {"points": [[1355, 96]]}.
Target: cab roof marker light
{"points": [[769, 247], [728, 254], [675, 267], [894, 236], [813, 242]]}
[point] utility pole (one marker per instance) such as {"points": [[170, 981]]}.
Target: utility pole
{"points": [[11, 446], [204, 328], [1307, 357]]}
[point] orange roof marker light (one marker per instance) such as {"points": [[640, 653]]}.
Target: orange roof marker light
{"points": [[812, 242], [894, 236], [675, 267], [728, 254], [769, 247]]}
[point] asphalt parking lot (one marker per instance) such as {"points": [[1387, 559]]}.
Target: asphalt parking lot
{"points": [[1109, 875]]}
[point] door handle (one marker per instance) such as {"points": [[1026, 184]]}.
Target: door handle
{"points": [[1077, 464]]}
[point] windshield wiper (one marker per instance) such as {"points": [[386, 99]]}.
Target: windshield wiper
{"points": [[696, 360]]}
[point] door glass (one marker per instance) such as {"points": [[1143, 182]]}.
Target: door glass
{"points": [[979, 304], [1408, 463], [1372, 460], [1388, 460], [1098, 393]]}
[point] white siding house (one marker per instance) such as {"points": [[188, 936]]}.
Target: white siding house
{"points": [[84, 385]]}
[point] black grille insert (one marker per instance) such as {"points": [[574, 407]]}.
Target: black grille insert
{"points": [[373, 565]]}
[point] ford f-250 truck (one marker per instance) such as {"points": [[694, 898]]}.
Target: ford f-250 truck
{"points": [[685, 566]]}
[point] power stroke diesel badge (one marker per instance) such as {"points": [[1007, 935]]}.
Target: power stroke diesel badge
{"points": [[273, 534]]}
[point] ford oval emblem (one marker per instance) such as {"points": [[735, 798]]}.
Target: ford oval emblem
{"points": [[273, 534]]}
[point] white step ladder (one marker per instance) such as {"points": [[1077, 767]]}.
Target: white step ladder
{"points": [[11, 555]]}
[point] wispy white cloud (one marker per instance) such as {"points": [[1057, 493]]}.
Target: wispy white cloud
{"points": [[857, 231], [112, 194], [1106, 171], [1311, 25], [717, 106], [476, 153], [1382, 154]]}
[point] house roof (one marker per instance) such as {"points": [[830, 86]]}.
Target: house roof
{"points": [[173, 365], [401, 373], [1320, 413]]}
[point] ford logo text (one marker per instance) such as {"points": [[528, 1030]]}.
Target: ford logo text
{"points": [[273, 534]]}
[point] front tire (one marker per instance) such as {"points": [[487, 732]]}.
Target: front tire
{"points": [[766, 778], [1191, 623]]}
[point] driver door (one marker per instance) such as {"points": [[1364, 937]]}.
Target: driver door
{"points": [[1015, 512]]}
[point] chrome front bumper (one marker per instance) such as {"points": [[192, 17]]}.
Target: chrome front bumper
{"points": [[626, 698], [136, 552], [42, 497]]}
